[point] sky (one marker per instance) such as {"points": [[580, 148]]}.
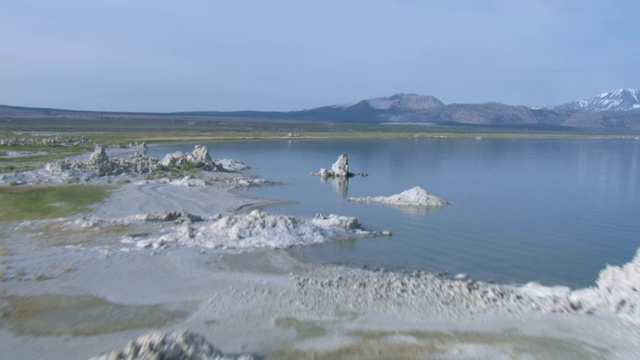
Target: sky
{"points": [[279, 55]]}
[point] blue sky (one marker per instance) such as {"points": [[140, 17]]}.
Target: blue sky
{"points": [[157, 55]]}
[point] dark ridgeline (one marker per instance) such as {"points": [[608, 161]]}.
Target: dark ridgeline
{"points": [[618, 110]]}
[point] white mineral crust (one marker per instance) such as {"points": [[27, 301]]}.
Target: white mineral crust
{"points": [[412, 197]]}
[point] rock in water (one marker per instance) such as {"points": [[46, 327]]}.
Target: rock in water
{"points": [[339, 169], [416, 196], [341, 166]]}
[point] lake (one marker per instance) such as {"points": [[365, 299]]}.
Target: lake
{"points": [[551, 210]]}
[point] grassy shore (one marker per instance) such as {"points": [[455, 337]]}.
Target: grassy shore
{"points": [[48, 201]]}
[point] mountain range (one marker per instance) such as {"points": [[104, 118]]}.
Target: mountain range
{"points": [[615, 109], [621, 100]]}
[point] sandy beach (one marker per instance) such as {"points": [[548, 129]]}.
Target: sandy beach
{"points": [[83, 286]]}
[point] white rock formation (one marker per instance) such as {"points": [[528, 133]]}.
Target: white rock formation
{"points": [[617, 289], [255, 230], [339, 169], [199, 157], [412, 197], [100, 164], [98, 157], [232, 165], [188, 181], [56, 140], [178, 345], [259, 229], [100, 168], [341, 166], [621, 286], [175, 216], [200, 154]]}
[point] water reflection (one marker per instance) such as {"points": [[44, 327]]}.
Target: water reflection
{"points": [[340, 185], [611, 165], [415, 210]]}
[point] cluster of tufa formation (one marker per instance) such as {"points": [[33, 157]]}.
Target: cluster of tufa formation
{"points": [[50, 141], [179, 345], [138, 163], [255, 230], [199, 158], [102, 165]]}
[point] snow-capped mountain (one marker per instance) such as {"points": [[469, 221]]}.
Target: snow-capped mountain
{"points": [[621, 100]]}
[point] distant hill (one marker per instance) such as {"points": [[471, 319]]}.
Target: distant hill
{"points": [[419, 109], [609, 110], [398, 103]]}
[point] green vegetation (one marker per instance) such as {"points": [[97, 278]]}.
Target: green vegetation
{"points": [[35, 151], [120, 130], [47, 201], [58, 233], [432, 344], [82, 315], [304, 329], [26, 163]]}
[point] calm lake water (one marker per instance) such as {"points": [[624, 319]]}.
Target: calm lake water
{"points": [[552, 210]]}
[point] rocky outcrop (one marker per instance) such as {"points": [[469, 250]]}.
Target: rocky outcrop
{"points": [[232, 165], [135, 145], [259, 229], [339, 169], [620, 285], [98, 157], [100, 161], [617, 290], [199, 158], [255, 230], [178, 345], [139, 163], [49, 141], [100, 164], [178, 217], [416, 196]]}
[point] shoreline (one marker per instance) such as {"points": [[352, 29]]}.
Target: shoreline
{"points": [[269, 302], [280, 306]]}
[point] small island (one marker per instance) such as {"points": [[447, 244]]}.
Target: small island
{"points": [[339, 169], [416, 196]]}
